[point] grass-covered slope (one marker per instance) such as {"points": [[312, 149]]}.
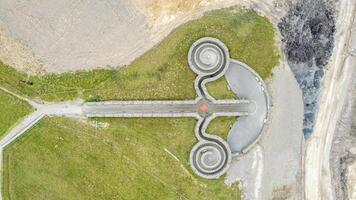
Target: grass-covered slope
{"points": [[132, 158], [12, 110], [162, 72], [138, 159], [220, 126]]}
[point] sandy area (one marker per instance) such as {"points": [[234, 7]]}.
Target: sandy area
{"points": [[17, 54], [71, 35], [342, 153], [318, 183], [273, 168], [351, 171], [351, 181], [60, 36]]}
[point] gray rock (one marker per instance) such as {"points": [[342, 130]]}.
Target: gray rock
{"points": [[308, 36]]}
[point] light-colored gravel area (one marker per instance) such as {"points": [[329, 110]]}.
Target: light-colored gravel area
{"points": [[351, 181], [343, 149], [17, 54], [336, 84], [273, 168], [69, 35]]}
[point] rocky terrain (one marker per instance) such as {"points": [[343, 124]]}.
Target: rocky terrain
{"points": [[308, 35]]}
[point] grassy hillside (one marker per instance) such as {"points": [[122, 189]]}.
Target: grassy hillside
{"points": [[162, 72], [220, 126], [131, 158], [121, 159], [12, 110]]}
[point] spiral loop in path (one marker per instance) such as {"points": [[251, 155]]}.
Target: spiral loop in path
{"points": [[208, 56], [209, 159]]}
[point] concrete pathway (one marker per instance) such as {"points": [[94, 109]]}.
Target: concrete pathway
{"points": [[273, 167], [247, 84], [68, 108], [211, 156], [164, 108], [21, 128]]}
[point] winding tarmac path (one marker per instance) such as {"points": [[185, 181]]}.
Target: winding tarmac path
{"points": [[211, 156]]}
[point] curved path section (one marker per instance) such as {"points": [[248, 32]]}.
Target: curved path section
{"points": [[209, 65], [209, 59], [211, 156], [247, 84]]}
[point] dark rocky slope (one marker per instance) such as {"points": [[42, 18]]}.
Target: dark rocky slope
{"points": [[308, 36]]}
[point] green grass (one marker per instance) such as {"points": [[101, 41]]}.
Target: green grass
{"points": [[52, 87], [162, 72], [220, 126], [127, 160], [219, 89], [12, 110]]}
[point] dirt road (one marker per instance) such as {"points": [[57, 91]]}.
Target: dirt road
{"points": [[318, 183]]}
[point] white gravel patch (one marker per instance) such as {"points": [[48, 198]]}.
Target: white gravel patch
{"points": [[275, 164], [351, 181], [71, 35]]}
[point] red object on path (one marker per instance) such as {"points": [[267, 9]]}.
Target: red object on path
{"points": [[203, 107]]}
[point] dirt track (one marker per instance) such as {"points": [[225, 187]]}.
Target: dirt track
{"points": [[318, 183]]}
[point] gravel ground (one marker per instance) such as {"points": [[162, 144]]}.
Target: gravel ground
{"points": [[343, 151], [272, 169], [70, 35], [337, 81], [351, 181], [60, 36]]}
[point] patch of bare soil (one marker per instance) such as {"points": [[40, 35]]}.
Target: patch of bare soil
{"points": [[157, 8], [351, 181], [68, 35], [272, 169], [165, 15], [17, 54], [72, 35]]}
